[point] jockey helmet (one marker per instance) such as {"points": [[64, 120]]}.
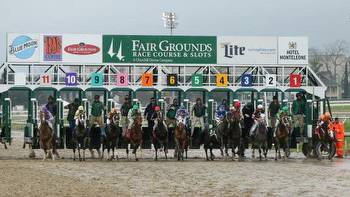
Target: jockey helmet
{"points": [[285, 108], [81, 108], [157, 108], [327, 115], [323, 117], [44, 109], [114, 110], [237, 104], [260, 106], [136, 106]]}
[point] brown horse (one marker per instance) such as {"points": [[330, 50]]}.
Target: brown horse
{"points": [[282, 135], [160, 138], [234, 134], [46, 137], [80, 138], [181, 139], [110, 142], [135, 136]]}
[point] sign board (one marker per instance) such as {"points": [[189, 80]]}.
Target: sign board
{"points": [[197, 80], [159, 49], [295, 80], [221, 80], [96, 79], [246, 80], [71, 79], [45, 79], [172, 79], [293, 50], [51, 48], [270, 80], [147, 79], [246, 50], [82, 48], [23, 47], [122, 79]]}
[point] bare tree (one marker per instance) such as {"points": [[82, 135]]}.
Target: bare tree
{"points": [[316, 59], [335, 55]]}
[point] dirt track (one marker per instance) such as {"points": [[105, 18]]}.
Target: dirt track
{"points": [[21, 176]]}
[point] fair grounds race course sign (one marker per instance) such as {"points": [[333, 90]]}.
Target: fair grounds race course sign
{"points": [[153, 49], [159, 49]]}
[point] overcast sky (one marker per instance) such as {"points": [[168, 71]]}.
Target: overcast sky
{"points": [[323, 21]]}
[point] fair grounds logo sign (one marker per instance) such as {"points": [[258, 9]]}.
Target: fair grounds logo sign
{"points": [[159, 49]]}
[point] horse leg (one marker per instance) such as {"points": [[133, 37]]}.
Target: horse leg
{"points": [[253, 151], [156, 151], [260, 158], [53, 155], [73, 154], [222, 147], [45, 154], [211, 154], [276, 149], [103, 150], [166, 150], [127, 151], [135, 152], [206, 152], [92, 153]]}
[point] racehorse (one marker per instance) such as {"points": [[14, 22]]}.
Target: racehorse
{"points": [[211, 139], [134, 138], [234, 134], [2, 134], [282, 134], [95, 139], [223, 131], [181, 139], [80, 137], [112, 137], [160, 138], [260, 139], [46, 137]]}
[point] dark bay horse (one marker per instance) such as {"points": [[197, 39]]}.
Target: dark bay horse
{"points": [[80, 138], [2, 135], [259, 140], [211, 139], [134, 138], [282, 134], [46, 137], [181, 139], [234, 134], [110, 142], [94, 141], [223, 132], [160, 138]]}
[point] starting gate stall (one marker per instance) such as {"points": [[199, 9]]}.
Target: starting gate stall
{"points": [[5, 120]]}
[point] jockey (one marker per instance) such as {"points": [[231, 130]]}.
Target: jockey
{"points": [[220, 113], [156, 116], [325, 120], [132, 115], [284, 112], [197, 115], [171, 113], [258, 116], [182, 113], [79, 112], [48, 116], [236, 109], [112, 113]]}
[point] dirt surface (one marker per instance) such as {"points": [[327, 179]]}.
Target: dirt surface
{"points": [[21, 176]]}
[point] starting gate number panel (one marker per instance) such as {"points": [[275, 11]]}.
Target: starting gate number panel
{"points": [[295, 80], [71, 79], [147, 79], [221, 80], [45, 79], [122, 79], [271, 80], [246, 80], [197, 80], [96, 79], [172, 79]]}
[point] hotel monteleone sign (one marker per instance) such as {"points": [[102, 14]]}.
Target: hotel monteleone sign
{"points": [[159, 49]]}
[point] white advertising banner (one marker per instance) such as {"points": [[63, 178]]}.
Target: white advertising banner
{"points": [[82, 48], [23, 47], [293, 50], [246, 50]]}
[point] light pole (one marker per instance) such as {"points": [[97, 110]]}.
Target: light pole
{"points": [[169, 19]]}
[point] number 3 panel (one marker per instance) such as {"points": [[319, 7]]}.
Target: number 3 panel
{"points": [[122, 79]]}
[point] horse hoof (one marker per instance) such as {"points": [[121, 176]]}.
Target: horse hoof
{"points": [[275, 158], [137, 159]]}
